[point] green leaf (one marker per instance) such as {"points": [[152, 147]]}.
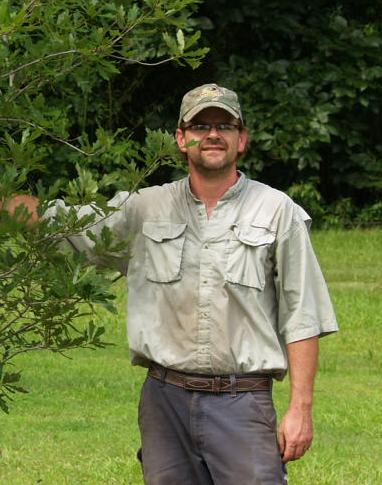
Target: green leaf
{"points": [[340, 22], [191, 143], [170, 42], [262, 136], [180, 39], [10, 377], [133, 13], [3, 404]]}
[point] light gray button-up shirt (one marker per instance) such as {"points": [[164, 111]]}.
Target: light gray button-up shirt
{"points": [[220, 295]]}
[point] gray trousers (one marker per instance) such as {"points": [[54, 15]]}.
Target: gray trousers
{"points": [[200, 438]]}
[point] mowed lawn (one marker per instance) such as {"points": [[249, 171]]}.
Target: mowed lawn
{"points": [[78, 424]]}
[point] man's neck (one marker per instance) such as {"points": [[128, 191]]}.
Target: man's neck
{"points": [[211, 189]]}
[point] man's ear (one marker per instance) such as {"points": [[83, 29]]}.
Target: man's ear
{"points": [[180, 139], [243, 141]]}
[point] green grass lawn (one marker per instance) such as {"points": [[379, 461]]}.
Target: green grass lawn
{"points": [[78, 424]]}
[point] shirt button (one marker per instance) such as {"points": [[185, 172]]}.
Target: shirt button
{"points": [[206, 246]]}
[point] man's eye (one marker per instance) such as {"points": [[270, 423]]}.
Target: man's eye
{"points": [[200, 127], [225, 127]]}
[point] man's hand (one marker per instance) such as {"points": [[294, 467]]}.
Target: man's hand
{"points": [[28, 201], [295, 434]]}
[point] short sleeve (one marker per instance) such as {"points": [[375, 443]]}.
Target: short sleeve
{"points": [[117, 222], [303, 215], [305, 308]]}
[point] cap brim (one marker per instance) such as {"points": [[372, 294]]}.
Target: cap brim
{"points": [[210, 104]]}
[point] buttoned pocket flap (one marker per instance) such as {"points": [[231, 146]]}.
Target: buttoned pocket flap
{"points": [[164, 243], [248, 259], [253, 235], [161, 231]]}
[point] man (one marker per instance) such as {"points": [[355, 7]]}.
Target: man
{"points": [[225, 293]]}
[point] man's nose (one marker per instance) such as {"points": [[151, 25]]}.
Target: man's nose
{"points": [[213, 133]]}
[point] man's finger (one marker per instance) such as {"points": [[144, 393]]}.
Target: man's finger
{"points": [[299, 452], [288, 454], [293, 452], [281, 440]]}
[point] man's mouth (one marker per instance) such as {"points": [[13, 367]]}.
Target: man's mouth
{"points": [[213, 148]]}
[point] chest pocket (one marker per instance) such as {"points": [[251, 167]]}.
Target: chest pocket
{"points": [[164, 243], [248, 255]]}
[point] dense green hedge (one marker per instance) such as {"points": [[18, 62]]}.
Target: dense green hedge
{"points": [[309, 77]]}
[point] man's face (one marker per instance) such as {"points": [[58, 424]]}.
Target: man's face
{"points": [[216, 150]]}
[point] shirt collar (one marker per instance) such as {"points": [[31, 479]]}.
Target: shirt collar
{"points": [[231, 193]]}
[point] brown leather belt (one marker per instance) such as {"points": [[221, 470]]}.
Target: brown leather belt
{"points": [[236, 383]]}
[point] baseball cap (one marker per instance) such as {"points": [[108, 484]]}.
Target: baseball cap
{"points": [[207, 96]]}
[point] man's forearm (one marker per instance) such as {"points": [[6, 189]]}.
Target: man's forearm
{"points": [[296, 428], [303, 360]]}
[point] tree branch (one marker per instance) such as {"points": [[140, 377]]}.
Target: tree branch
{"points": [[127, 30], [47, 133], [17, 317], [22, 351], [37, 61], [135, 61]]}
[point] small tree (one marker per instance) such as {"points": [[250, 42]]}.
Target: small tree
{"points": [[60, 136]]}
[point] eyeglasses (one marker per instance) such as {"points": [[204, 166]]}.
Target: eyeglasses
{"points": [[203, 128]]}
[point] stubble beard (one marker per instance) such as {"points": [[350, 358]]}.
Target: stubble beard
{"points": [[209, 165]]}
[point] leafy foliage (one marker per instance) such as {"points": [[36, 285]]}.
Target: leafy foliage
{"points": [[64, 66], [60, 62], [307, 195], [309, 78]]}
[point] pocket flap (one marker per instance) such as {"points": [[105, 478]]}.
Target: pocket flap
{"points": [[160, 231], [253, 235]]}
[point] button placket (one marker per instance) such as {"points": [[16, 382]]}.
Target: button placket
{"points": [[204, 324], [210, 229]]}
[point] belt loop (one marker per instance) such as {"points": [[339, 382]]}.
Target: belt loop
{"points": [[216, 384], [232, 380], [163, 372]]}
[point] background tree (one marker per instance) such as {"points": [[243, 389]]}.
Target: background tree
{"points": [[309, 77], [64, 66]]}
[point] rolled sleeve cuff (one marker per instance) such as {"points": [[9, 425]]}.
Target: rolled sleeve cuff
{"points": [[319, 330]]}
